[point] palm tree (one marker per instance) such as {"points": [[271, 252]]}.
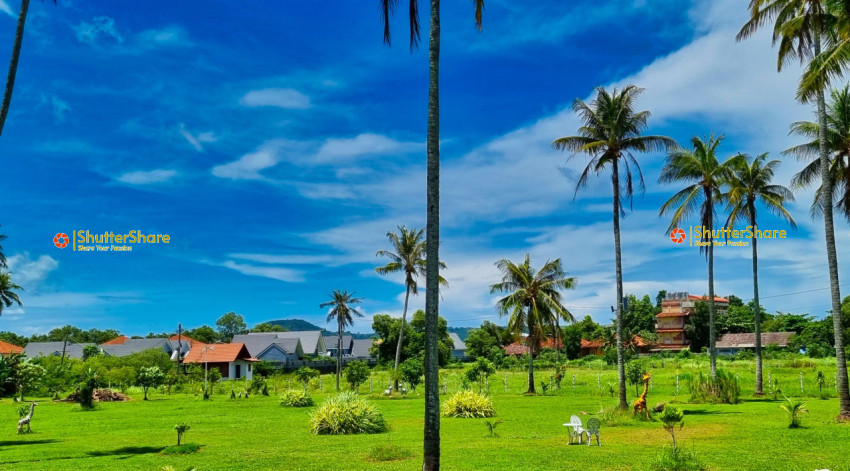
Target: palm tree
{"points": [[533, 302], [341, 303], [408, 255], [611, 134], [803, 28], [13, 62], [431, 459], [7, 293], [707, 176], [838, 148], [2, 255], [750, 183]]}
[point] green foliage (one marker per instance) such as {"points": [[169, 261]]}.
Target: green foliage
{"points": [[411, 371], [28, 376], [387, 328], [346, 414], [468, 404], [264, 368], [185, 449], [698, 327], [181, 429], [23, 410], [149, 377], [635, 370], [491, 427], [724, 389], [672, 459], [614, 416], [794, 409], [480, 371], [389, 452], [257, 385], [305, 374], [640, 315], [821, 382], [231, 324], [90, 351], [295, 398], [480, 342], [774, 389], [204, 334], [268, 327], [356, 373], [88, 383], [122, 377]]}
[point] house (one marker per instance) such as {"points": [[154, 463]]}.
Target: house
{"points": [[458, 347], [232, 360], [331, 344], [117, 340], [729, 344], [7, 348], [312, 341], [44, 349], [283, 353], [361, 349], [521, 347], [591, 347], [671, 321]]}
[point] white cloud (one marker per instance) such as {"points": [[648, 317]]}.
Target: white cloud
{"points": [[4, 8], [30, 273], [147, 177], [272, 259], [59, 107], [198, 140], [171, 35], [98, 29], [336, 150], [249, 165], [286, 98], [275, 273]]}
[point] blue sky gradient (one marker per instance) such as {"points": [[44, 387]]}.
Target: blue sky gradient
{"points": [[277, 144]]}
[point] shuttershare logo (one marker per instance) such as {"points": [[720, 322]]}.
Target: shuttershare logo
{"points": [[85, 241], [60, 240], [677, 235]]}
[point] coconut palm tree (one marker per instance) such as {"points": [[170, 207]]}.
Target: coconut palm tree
{"points": [[408, 256], [7, 291], [13, 62], [838, 148], [2, 255], [611, 135], [707, 176], [803, 28], [749, 183], [431, 458], [533, 301], [342, 310]]}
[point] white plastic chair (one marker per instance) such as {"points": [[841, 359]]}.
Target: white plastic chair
{"points": [[576, 429]]}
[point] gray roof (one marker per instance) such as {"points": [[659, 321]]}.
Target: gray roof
{"points": [[361, 347], [72, 350], [458, 343], [257, 342], [290, 346], [331, 341], [748, 340], [131, 346]]}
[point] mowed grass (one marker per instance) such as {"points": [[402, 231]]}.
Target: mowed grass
{"points": [[257, 433]]}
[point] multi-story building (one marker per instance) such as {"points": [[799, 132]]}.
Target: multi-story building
{"points": [[675, 310]]}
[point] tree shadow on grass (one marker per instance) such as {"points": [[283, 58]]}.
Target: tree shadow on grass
{"points": [[27, 442], [707, 412], [128, 451]]}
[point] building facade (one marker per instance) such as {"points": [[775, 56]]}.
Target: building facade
{"points": [[671, 321]]}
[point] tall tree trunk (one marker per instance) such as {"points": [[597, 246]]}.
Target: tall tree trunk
{"points": [[338, 350], [531, 342], [431, 460], [756, 308], [13, 63], [831, 255], [712, 312], [621, 366], [401, 337]]}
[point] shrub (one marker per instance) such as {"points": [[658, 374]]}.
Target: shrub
{"points": [[723, 389], [149, 377], [411, 371], [305, 374], [634, 374], [181, 429], [87, 386], [346, 414], [184, 449], [468, 404], [491, 427], [480, 371], [295, 398], [794, 409], [356, 373], [676, 460], [23, 410], [389, 452]]}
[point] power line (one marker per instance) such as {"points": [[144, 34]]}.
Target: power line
{"points": [[799, 292]]}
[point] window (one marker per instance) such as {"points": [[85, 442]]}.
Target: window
{"points": [[249, 367]]}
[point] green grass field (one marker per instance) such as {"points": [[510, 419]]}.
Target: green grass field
{"points": [[257, 433]]}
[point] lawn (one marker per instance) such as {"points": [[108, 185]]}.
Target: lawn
{"points": [[257, 433]]}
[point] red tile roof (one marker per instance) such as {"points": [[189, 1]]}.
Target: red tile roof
{"points": [[218, 353], [185, 339], [7, 348], [717, 299], [117, 340], [591, 343], [516, 349]]}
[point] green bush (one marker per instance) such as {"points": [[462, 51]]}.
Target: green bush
{"points": [[356, 373], [183, 449], [794, 409], [295, 398], [347, 414], [724, 389], [468, 404], [676, 460], [614, 416], [389, 452]]}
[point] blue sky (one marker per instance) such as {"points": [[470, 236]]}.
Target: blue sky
{"points": [[277, 146]]}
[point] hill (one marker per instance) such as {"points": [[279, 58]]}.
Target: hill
{"points": [[462, 332], [295, 324]]}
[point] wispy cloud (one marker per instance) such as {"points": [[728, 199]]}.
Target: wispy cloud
{"points": [[147, 177], [248, 166], [4, 8], [276, 273], [100, 28], [168, 36], [59, 107], [197, 140], [287, 98], [30, 273], [336, 150]]}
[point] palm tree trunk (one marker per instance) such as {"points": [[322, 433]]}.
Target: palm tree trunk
{"points": [[756, 308], [431, 442], [531, 343], [831, 255], [400, 337], [712, 313], [338, 350], [621, 367], [13, 63]]}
